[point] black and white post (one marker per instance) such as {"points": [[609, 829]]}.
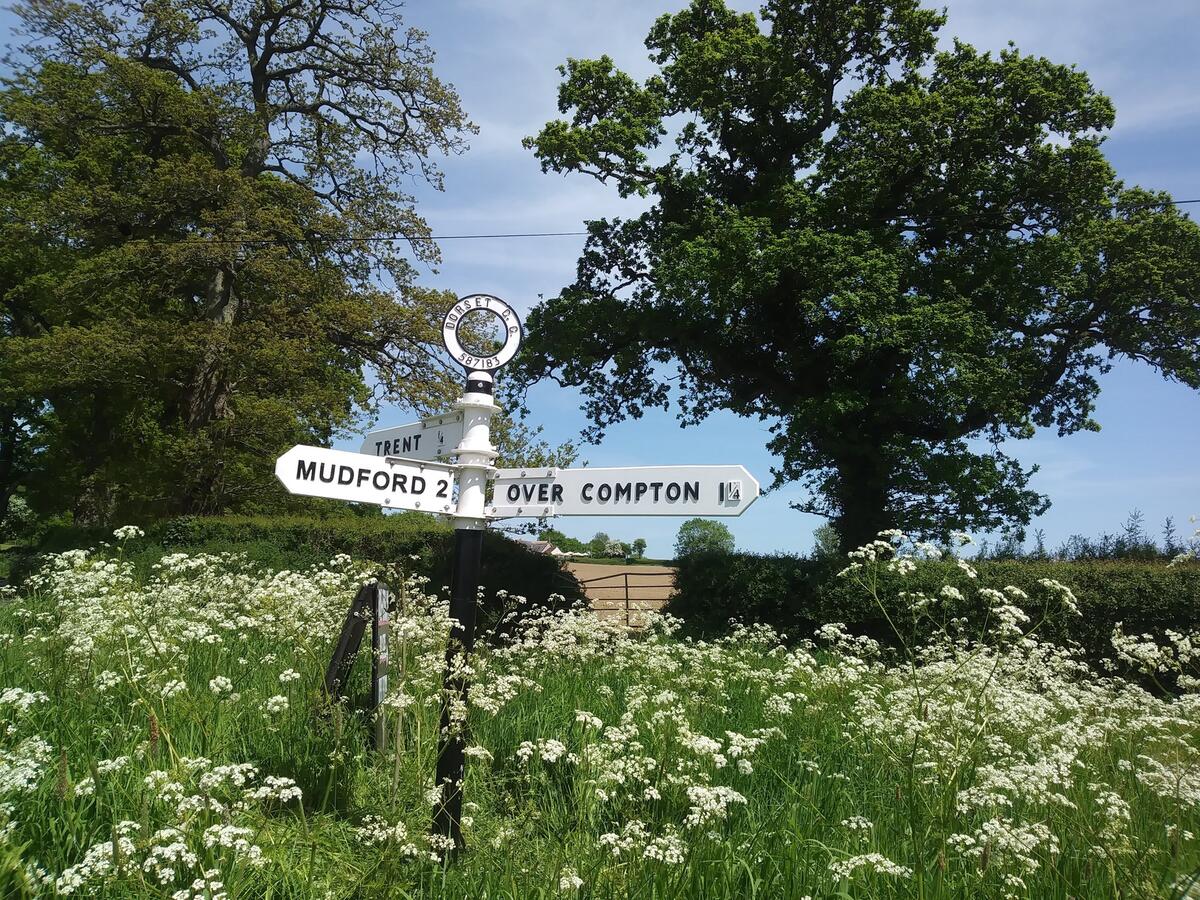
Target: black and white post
{"points": [[476, 457]]}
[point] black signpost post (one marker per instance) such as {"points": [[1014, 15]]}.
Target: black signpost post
{"points": [[464, 587]]}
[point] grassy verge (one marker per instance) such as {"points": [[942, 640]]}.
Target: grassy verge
{"points": [[166, 736], [12, 554]]}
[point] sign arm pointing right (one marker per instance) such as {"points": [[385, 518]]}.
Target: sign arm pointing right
{"points": [[632, 491]]}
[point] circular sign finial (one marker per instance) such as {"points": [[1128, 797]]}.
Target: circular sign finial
{"points": [[483, 303]]}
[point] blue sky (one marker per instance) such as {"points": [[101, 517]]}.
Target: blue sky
{"points": [[502, 58]]}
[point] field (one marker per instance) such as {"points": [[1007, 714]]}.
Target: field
{"points": [[624, 594], [168, 737]]}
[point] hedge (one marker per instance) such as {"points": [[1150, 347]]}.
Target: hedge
{"points": [[413, 541], [796, 595]]}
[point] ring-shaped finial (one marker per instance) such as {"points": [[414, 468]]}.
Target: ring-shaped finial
{"points": [[501, 310]]}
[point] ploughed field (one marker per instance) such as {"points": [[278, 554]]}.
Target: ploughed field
{"points": [[168, 737]]}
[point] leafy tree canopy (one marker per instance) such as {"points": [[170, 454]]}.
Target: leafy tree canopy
{"points": [[561, 541], [826, 543], [703, 536], [598, 543], [614, 549], [189, 275], [884, 250]]}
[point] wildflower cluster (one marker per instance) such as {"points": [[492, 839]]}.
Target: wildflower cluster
{"points": [[176, 726]]}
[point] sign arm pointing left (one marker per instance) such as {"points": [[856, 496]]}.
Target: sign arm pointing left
{"points": [[390, 482]]}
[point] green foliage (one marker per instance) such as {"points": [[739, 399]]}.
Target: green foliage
{"points": [[826, 542], [405, 543], [615, 549], [703, 536], [1171, 544], [561, 541], [885, 249], [1131, 542], [619, 561], [184, 292], [638, 547], [301, 541], [598, 545], [185, 715], [18, 521], [796, 595]]}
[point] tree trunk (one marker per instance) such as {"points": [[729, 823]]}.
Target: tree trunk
{"points": [[208, 399], [8, 456], [862, 498], [94, 497]]}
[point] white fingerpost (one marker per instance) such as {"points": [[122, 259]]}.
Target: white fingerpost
{"points": [[403, 468], [476, 453]]}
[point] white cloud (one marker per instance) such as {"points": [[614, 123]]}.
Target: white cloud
{"points": [[1138, 54], [1158, 108], [541, 203]]}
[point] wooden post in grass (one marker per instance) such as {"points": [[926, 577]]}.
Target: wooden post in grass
{"points": [[379, 663], [370, 604]]}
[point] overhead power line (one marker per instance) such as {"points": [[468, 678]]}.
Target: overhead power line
{"points": [[382, 238], [517, 234], [360, 239]]}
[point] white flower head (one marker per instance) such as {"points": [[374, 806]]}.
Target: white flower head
{"points": [[569, 880], [275, 705]]}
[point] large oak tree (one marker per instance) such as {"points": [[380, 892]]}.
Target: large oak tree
{"points": [[886, 251], [209, 251]]}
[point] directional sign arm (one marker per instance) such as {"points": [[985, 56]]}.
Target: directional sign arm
{"points": [[432, 438], [634, 491], [391, 483]]}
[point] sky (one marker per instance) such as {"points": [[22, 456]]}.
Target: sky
{"points": [[502, 58]]}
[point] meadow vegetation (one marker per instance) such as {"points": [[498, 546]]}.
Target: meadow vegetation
{"points": [[167, 735], [795, 595]]}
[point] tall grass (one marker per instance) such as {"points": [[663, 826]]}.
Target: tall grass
{"points": [[168, 736]]}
